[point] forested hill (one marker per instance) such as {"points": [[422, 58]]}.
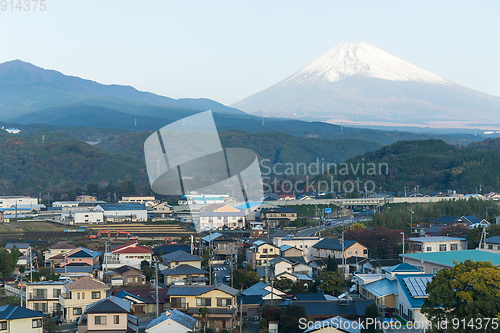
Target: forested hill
{"points": [[62, 163], [434, 165]]}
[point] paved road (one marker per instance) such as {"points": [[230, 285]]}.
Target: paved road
{"points": [[221, 271], [333, 223]]}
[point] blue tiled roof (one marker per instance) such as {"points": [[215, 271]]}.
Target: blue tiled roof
{"points": [[333, 244], [122, 294], [404, 267], [123, 206], [493, 240], [10, 312], [256, 289], [448, 219], [84, 253], [382, 287], [174, 315], [472, 219], [447, 258], [415, 303]]}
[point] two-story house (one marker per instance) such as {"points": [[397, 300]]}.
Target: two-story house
{"points": [[79, 294], [182, 268], [437, 244], [125, 276], [173, 321], [222, 245], [329, 247], [18, 319], [131, 254], [273, 217], [305, 244], [111, 314], [44, 296], [162, 211], [219, 300], [219, 216], [80, 256], [260, 252], [56, 250]]}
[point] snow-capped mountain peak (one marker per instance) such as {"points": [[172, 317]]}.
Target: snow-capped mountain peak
{"points": [[350, 59]]}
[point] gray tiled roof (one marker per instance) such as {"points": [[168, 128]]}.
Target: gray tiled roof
{"points": [[174, 315]]}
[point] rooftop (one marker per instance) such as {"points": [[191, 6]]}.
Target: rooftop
{"points": [[10, 312], [176, 316], [179, 256], [123, 206], [447, 258], [333, 244], [87, 283], [493, 240], [110, 304], [435, 239]]}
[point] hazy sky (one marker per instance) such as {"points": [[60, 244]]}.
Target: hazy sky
{"points": [[228, 50]]}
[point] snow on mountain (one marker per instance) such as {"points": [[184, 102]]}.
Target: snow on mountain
{"points": [[359, 84], [349, 59]]}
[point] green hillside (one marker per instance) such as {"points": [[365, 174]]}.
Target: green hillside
{"points": [[63, 163], [435, 165]]}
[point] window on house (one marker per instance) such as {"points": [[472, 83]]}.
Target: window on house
{"points": [[271, 250], [100, 320], [429, 249], [83, 295], [305, 246], [418, 247], [203, 302], [435, 270], [116, 319], [264, 250], [178, 302], [96, 295], [365, 251], [223, 301], [3, 325], [77, 311], [490, 247], [35, 323], [454, 247], [442, 247], [78, 296]]}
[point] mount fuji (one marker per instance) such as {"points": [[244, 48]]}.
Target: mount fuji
{"points": [[360, 84]]}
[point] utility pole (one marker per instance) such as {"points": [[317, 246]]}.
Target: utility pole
{"points": [[402, 233], [31, 264], [267, 254], [156, 285], [343, 245], [241, 315], [21, 289]]}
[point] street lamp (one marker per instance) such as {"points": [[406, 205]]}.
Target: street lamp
{"points": [[402, 233]]}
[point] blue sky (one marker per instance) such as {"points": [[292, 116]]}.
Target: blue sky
{"points": [[228, 50]]}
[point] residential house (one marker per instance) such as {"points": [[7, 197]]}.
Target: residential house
{"points": [[144, 300], [184, 275], [335, 324], [252, 209], [16, 201], [79, 294], [451, 221], [44, 296], [492, 243], [169, 248], [219, 300], [302, 243], [22, 247], [324, 309], [290, 251], [260, 252], [222, 245], [172, 321], [111, 314], [411, 296], [122, 212], [177, 258], [378, 266], [384, 287], [81, 255], [294, 277], [56, 250], [204, 199], [221, 216], [329, 247], [266, 292], [125, 276], [432, 262], [289, 265], [17, 319], [274, 217], [131, 254], [474, 221], [437, 244], [162, 211]]}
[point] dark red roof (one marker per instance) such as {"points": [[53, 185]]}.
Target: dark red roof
{"points": [[131, 247]]}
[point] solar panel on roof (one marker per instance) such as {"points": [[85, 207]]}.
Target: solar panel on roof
{"points": [[417, 285]]}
